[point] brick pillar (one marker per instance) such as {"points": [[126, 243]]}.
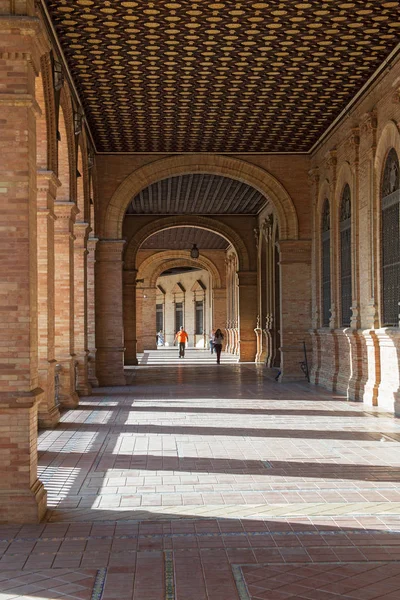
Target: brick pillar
{"points": [[109, 313], [295, 281], [47, 184], [219, 309], [139, 329], [22, 495], [91, 316], [81, 232], [247, 315], [64, 301], [129, 281], [149, 318]]}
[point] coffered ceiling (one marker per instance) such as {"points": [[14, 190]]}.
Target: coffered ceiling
{"points": [[197, 193], [229, 76]]}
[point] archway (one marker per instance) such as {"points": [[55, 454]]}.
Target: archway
{"points": [[233, 168], [136, 197]]}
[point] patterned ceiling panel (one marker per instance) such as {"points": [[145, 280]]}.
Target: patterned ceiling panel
{"points": [[197, 193], [183, 238], [229, 76]]}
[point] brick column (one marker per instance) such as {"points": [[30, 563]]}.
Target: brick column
{"points": [[149, 318], [129, 281], [219, 309], [247, 315], [64, 301], [295, 281], [109, 313], [91, 316], [47, 184], [81, 232], [22, 495]]}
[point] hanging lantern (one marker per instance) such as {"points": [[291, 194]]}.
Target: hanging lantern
{"points": [[194, 253]]}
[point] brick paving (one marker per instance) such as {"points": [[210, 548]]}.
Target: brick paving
{"points": [[213, 483]]}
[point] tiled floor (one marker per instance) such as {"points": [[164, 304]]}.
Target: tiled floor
{"points": [[207, 482]]}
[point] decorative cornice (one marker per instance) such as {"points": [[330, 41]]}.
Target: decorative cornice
{"points": [[20, 100]]}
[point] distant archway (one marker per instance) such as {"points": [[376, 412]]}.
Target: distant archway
{"points": [[213, 225]]}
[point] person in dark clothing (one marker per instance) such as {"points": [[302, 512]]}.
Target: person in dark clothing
{"points": [[218, 340]]}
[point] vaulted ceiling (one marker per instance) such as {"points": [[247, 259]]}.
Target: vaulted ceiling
{"points": [[183, 238], [197, 193], [229, 76]]}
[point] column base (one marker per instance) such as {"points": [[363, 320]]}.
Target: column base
{"points": [[247, 350], [48, 412], [287, 378], [49, 418], [19, 506], [84, 390], [131, 362], [110, 366], [70, 401]]}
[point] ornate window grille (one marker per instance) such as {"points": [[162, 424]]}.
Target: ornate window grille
{"points": [[199, 317], [345, 257], [178, 315], [159, 317], [391, 241], [326, 264]]}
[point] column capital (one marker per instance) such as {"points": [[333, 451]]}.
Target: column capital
{"points": [[129, 277], [81, 232], [65, 213], [247, 278], [46, 184], [109, 250], [295, 251]]}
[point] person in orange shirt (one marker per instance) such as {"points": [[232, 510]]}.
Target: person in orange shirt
{"points": [[182, 337]]}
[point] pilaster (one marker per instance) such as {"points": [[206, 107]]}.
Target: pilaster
{"points": [[81, 232], [91, 316], [247, 316], [47, 184], [129, 282], [64, 301]]}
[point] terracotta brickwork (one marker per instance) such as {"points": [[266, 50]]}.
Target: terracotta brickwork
{"points": [[362, 360], [22, 496]]}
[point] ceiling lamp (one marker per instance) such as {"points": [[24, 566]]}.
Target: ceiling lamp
{"points": [[194, 253]]}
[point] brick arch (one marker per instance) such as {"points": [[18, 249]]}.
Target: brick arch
{"points": [[153, 266], [226, 166], [188, 221]]}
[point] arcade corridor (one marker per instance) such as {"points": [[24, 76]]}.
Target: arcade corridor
{"points": [[213, 483]]}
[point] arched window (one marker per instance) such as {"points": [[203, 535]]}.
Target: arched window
{"points": [[326, 264], [345, 256], [391, 241]]}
